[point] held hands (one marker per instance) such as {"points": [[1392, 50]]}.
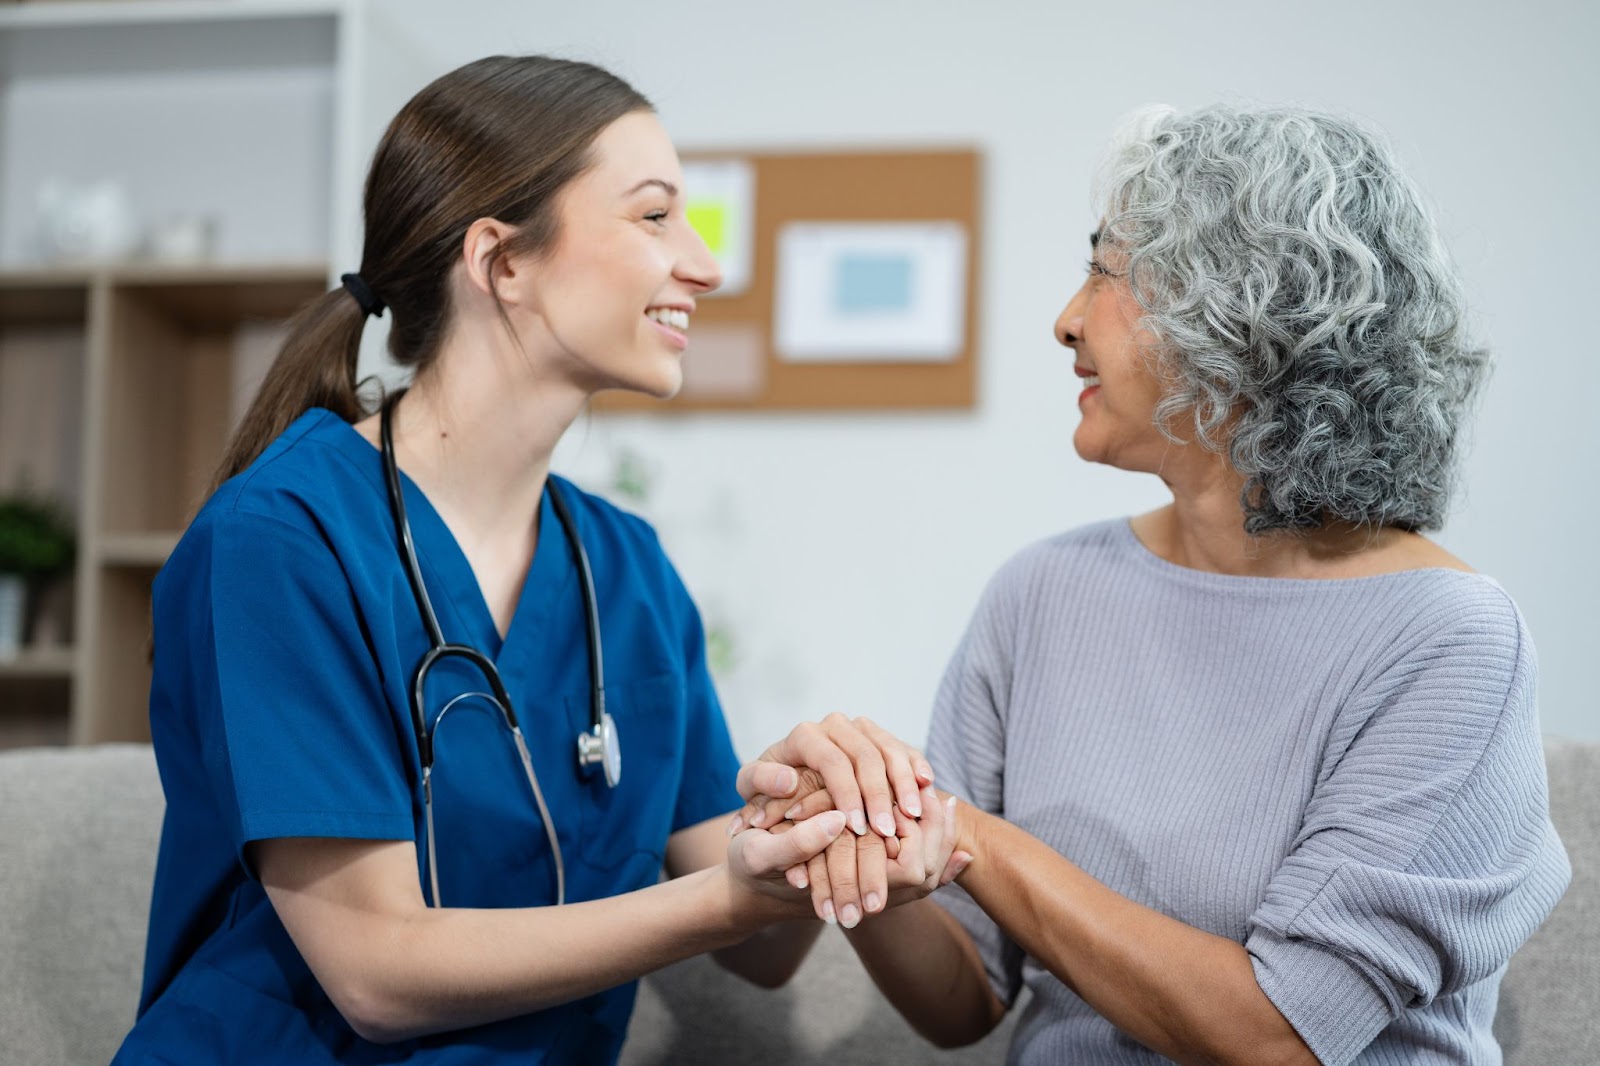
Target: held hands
{"points": [[839, 773]]}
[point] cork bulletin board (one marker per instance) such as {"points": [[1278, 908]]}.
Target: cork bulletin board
{"points": [[732, 363]]}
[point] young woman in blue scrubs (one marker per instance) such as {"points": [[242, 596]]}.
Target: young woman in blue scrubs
{"points": [[526, 231]]}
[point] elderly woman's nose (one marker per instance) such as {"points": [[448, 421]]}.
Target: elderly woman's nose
{"points": [[1069, 325]]}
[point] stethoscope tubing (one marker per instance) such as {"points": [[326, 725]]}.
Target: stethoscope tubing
{"points": [[439, 649]]}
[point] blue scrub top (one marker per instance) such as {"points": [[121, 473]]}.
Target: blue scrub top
{"points": [[286, 636]]}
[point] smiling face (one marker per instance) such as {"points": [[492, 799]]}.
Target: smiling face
{"points": [[1121, 389], [612, 300]]}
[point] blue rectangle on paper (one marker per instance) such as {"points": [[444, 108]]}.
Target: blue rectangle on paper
{"points": [[867, 283]]}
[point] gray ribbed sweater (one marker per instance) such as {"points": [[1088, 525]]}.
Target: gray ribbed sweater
{"points": [[1344, 776]]}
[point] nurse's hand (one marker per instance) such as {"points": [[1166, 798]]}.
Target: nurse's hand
{"points": [[758, 861]]}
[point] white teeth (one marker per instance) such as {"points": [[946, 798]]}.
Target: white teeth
{"points": [[668, 316], [1091, 381]]}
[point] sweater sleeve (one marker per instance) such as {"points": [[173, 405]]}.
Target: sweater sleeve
{"points": [[1426, 856], [967, 748]]}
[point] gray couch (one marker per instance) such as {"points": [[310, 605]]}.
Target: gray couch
{"points": [[78, 831]]}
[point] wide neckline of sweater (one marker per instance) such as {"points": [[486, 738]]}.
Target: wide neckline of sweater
{"points": [[1130, 542]]}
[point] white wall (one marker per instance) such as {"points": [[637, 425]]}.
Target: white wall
{"points": [[847, 551]]}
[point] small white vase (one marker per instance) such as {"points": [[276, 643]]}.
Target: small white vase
{"points": [[13, 598]]}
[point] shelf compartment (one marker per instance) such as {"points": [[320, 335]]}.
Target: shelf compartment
{"points": [[118, 685], [184, 355], [39, 664], [41, 410], [228, 112], [33, 710]]}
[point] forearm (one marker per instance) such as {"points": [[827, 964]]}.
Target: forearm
{"points": [[770, 957], [1182, 992], [926, 965], [436, 970]]}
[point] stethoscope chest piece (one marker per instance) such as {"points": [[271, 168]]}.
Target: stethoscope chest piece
{"points": [[600, 747]]}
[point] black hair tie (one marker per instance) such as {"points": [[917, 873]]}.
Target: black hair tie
{"points": [[365, 297]]}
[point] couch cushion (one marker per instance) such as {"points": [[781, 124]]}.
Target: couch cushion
{"points": [[78, 840], [1550, 997]]}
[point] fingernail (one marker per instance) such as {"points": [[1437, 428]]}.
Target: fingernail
{"points": [[927, 774], [736, 825], [802, 882], [858, 823], [883, 822], [832, 823], [913, 809], [827, 912], [792, 813], [873, 903], [758, 818], [791, 781], [849, 917]]}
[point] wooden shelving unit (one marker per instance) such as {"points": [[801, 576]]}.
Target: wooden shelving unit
{"points": [[118, 385], [164, 381]]}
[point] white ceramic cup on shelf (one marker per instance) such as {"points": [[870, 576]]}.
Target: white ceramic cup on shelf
{"points": [[85, 222], [182, 239]]}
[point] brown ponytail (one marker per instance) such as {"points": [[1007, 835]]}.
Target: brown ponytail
{"points": [[315, 368], [498, 138]]}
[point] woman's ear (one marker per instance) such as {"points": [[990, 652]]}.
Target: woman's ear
{"points": [[488, 265]]}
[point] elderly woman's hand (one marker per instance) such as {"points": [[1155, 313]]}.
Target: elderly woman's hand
{"points": [[852, 763]]}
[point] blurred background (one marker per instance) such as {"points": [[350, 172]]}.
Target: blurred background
{"points": [[177, 174]]}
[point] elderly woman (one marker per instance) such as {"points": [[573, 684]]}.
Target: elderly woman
{"points": [[1255, 776]]}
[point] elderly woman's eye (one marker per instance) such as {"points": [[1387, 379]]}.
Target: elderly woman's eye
{"points": [[1095, 269]]}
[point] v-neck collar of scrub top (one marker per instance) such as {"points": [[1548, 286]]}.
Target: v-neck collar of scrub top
{"points": [[457, 596]]}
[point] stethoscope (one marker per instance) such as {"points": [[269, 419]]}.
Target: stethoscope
{"points": [[596, 747]]}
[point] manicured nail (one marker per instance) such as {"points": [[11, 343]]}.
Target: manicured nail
{"points": [[926, 773], [793, 812], [873, 903], [883, 822], [913, 808], [832, 823], [801, 881], [858, 823], [849, 917], [827, 912]]}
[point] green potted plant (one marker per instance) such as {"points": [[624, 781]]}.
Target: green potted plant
{"points": [[37, 543]]}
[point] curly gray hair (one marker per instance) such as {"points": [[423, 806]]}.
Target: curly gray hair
{"points": [[1306, 316]]}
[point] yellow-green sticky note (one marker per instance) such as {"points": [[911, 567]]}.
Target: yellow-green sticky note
{"points": [[709, 218]]}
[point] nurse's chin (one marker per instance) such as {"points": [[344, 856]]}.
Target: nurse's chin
{"points": [[659, 383]]}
